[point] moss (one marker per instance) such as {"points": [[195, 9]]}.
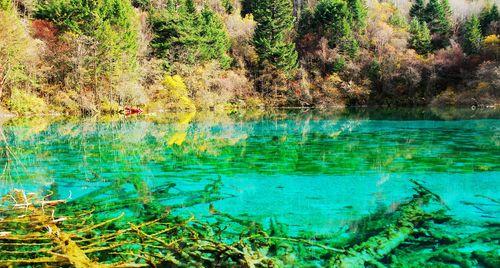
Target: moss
{"points": [[405, 239], [487, 259]]}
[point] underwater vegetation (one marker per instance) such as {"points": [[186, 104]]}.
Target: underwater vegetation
{"points": [[99, 230], [300, 189]]}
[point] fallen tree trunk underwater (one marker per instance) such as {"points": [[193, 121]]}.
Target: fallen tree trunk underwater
{"points": [[33, 234], [411, 217]]}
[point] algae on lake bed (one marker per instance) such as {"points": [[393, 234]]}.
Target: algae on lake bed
{"points": [[305, 189], [33, 233]]}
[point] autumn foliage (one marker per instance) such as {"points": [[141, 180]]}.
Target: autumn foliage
{"points": [[89, 57]]}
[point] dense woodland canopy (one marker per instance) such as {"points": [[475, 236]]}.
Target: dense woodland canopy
{"points": [[99, 56]]}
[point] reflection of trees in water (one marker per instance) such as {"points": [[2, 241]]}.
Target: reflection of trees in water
{"points": [[119, 160], [287, 143]]}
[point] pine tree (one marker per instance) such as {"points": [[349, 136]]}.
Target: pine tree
{"points": [[436, 18], [183, 34], [439, 23], [190, 7], [473, 38], [417, 9], [228, 6], [357, 14], [420, 37], [487, 16], [447, 8], [215, 41], [334, 19], [347, 42], [246, 7], [272, 42], [306, 22]]}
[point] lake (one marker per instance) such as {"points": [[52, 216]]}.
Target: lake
{"points": [[313, 171]]}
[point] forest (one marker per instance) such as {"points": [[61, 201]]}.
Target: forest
{"points": [[86, 57]]}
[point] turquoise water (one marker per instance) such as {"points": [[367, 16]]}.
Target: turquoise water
{"points": [[313, 171]]}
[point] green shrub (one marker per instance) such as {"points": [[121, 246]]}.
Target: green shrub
{"points": [[110, 107], [23, 102], [339, 64], [374, 69], [5, 4]]}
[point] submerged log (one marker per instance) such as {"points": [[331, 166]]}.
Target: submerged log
{"points": [[411, 217], [65, 249], [33, 234]]}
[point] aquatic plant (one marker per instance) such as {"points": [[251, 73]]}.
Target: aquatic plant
{"points": [[39, 230]]}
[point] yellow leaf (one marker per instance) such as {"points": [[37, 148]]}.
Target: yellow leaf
{"points": [[178, 138]]}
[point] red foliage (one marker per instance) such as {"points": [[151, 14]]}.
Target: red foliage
{"points": [[308, 43], [44, 30], [451, 56]]}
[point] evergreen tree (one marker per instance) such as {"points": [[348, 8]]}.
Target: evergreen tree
{"points": [[417, 10], [85, 16], [438, 22], [473, 38], [487, 16], [272, 42], [436, 18], [246, 7], [334, 19], [347, 42], [398, 20], [329, 14], [190, 7], [228, 6], [420, 37], [357, 13], [447, 8], [185, 35], [306, 22], [214, 38]]}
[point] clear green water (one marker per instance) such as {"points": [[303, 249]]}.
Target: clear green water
{"points": [[313, 171]]}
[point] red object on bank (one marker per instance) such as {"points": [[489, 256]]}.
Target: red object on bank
{"points": [[131, 111]]}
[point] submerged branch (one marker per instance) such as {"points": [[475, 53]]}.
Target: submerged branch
{"points": [[34, 235]]}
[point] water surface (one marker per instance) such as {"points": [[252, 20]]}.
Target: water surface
{"points": [[313, 171]]}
